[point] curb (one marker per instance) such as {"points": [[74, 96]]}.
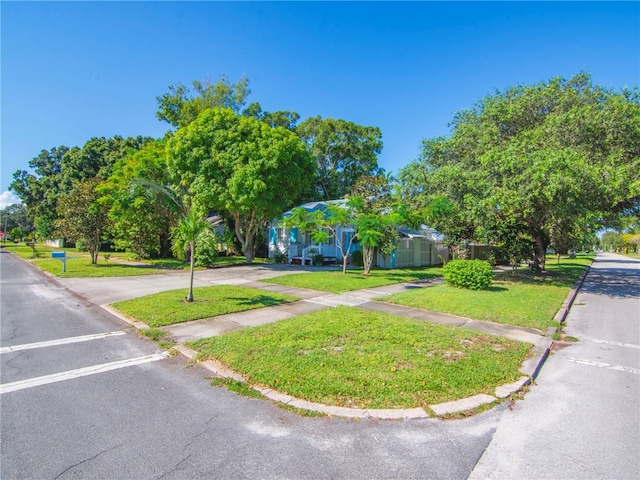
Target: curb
{"points": [[440, 410], [561, 315]]}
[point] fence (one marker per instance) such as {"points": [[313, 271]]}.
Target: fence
{"points": [[415, 252]]}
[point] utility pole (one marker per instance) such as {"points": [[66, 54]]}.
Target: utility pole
{"points": [[4, 230]]}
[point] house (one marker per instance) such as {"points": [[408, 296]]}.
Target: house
{"points": [[218, 225], [299, 246], [414, 249]]}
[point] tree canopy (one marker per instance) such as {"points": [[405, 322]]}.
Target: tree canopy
{"points": [[280, 118], [141, 218], [56, 172], [540, 161], [82, 218], [343, 152], [181, 105], [242, 167]]}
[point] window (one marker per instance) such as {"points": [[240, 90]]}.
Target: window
{"points": [[331, 240]]}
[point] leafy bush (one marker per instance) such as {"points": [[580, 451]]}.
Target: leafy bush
{"points": [[470, 274], [356, 258], [317, 259], [280, 257], [205, 255]]}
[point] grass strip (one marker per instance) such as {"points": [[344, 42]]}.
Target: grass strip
{"points": [[82, 268], [525, 299], [79, 263], [355, 358], [174, 264], [338, 282], [168, 308]]}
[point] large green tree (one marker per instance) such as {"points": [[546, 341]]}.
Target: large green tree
{"points": [[541, 161], [240, 167], [181, 105], [141, 217], [82, 217], [343, 152], [39, 191]]}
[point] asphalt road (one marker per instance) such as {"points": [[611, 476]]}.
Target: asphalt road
{"points": [[582, 420], [92, 409]]}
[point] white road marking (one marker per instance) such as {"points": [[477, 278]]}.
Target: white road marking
{"points": [[61, 341], [592, 363], [80, 372], [617, 344]]}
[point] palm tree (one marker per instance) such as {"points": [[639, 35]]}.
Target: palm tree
{"points": [[191, 232]]}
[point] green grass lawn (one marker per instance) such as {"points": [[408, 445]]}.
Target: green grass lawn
{"points": [[79, 263], [42, 251], [82, 267], [173, 263], [525, 299], [355, 358], [168, 308], [338, 282]]}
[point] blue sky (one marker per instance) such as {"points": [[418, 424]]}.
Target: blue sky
{"points": [[72, 71]]}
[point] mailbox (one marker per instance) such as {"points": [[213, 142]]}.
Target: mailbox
{"points": [[62, 256]]}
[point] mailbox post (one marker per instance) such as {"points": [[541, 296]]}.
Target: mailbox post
{"points": [[62, 256]]}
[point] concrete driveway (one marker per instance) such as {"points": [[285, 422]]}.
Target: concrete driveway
{"points": [[103, 291]]}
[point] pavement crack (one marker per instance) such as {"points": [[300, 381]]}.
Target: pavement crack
{"points": [[175, 467], [187, 446], [86, 460], [203, 432], [8, 362]]}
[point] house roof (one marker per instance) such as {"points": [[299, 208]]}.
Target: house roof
{"points": [[315, 206], [424, 232]]}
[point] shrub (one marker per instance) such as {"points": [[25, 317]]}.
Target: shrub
{"points": [[356, 258], [280, 257], [471, 274], [205, 255], [317, 259]]}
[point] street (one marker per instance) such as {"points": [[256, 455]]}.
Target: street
{"points": [[76, 403], [582, 419]]}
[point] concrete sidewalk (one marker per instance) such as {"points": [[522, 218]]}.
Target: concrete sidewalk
{"points": [[313, 300]]}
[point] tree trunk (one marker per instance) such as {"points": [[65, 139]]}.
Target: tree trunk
{"points": [[367, 257], [93, 252], [246, 239], [345, 252], [248, 247], [541, 251], [191, 268], [94, 248]]}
